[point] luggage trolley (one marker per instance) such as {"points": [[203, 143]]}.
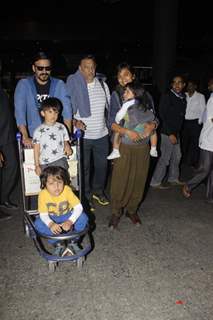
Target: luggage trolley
{"points": [[30, 187]]}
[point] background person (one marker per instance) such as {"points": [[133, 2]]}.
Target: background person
{"points": [[205, 168], [171, 112], [195, 107], [8, 155]]}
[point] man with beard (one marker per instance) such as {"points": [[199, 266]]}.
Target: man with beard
{"points": [[31, 91]]}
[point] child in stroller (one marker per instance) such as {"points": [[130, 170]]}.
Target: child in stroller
{"points": [[60, 210]]}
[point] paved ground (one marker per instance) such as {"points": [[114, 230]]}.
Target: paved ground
{"points": [[162, 270]]}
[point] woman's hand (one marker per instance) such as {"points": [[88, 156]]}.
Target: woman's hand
{"points": [[133, 135]]}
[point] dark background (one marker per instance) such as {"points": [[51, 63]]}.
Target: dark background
{"points": [[112, 30]]}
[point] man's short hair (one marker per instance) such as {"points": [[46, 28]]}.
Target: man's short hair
{"points": [[88, 56], [41, 55]]}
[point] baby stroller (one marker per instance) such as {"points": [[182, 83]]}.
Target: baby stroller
{"points": [[30, 187]]}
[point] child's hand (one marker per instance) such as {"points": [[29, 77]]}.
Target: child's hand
{"points": [[67, 149], [55, 228], [38, 170], [67, 225]]}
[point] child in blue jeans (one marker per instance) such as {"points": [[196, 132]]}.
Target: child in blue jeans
{"points": [[59, 208]]}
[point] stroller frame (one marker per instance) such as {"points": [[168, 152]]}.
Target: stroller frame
{"points": [[36, 236]]}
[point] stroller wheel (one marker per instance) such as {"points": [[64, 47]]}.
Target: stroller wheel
{"points": [[80, 262], [52, 266]]}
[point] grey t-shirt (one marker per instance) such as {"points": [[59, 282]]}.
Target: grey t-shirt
{"points": [[135, 119]]}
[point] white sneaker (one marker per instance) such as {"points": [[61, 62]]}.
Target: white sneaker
{"points": [[153, 152], [114, 154]]}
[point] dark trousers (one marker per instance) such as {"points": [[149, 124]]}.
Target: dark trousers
{"points": [[190, 142], [9, 171], [95, 165], [205, 170]]}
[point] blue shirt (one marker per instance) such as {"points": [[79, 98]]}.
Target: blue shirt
{"points": [[26, 104]]}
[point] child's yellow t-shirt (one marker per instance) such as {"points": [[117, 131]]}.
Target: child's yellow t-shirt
{"points": [[59, 205]]}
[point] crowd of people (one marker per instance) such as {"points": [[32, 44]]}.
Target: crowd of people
{"points": [[47, 112]]}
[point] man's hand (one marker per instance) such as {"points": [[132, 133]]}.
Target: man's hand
{"points": [[27, 142], [79, 124], [173, 139], [67, 225]]}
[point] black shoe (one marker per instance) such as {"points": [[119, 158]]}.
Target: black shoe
{"points": [[101, 199], [5, 216], [8, 205]]}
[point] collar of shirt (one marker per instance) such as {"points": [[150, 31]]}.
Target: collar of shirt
{"points": [[179, 95]]}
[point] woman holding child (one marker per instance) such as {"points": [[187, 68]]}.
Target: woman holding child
{"points": [[131, 168]]}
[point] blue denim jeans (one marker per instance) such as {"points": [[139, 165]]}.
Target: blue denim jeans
{"points": [[79, 225]]}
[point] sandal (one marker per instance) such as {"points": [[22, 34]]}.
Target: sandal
{"points": [[186, 192]]}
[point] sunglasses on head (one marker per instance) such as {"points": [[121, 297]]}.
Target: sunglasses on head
{"points": [[41, 68]]}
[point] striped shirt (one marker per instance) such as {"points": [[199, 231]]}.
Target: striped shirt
{"points": [[96, 124]]}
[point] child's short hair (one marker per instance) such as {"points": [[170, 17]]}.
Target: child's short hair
{"points": [[51, 103], [58, 172]]}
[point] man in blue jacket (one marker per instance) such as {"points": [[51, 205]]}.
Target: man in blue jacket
{"points": [[31, 91]]}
